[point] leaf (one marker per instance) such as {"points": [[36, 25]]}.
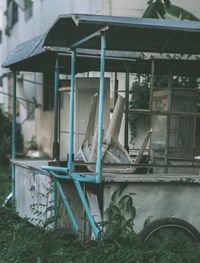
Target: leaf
{"points": [[147, 221], [160, 8], [133, 212], [167, 3], [122, 201], [122, 188], [150, 12], [129, 204], [181, 13]]}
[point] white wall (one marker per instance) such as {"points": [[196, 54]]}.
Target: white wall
{"points": [[44, 14]]}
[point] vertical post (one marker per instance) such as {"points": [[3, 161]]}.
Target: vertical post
{"points": [[126, 141], [55, 141], [115, 89], [100, 117], [71, 125], [169, 102], [151, 85], [13, 136]]}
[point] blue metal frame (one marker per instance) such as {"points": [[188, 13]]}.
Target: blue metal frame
{"points": [[71, 125], [85, 39], [70, 174], [55, 141], [100, 121], [13, 136]]}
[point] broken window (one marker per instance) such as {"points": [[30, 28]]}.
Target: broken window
{"points": [[28, 9], [11, 15]]}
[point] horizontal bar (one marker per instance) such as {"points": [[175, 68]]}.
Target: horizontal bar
{"points": [[85, 39], [165, 113], [78, 133], [96, 53], [75, 176], [140, 165], [55, 168]]}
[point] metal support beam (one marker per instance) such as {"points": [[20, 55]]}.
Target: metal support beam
{"points": [[100, 117], [85, 39], [71, 124], [13, 136], [126, 139], [55, 141], [115, 89], [86, 207], [152, 85]]}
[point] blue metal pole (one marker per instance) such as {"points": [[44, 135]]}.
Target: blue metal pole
{"points": [[71, 125], [67, 205], [54, 204], [13, 136], [55, 141], [100, 120], [87, 209]]}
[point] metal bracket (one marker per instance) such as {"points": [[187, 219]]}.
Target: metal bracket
{"points": [[85, 39]]}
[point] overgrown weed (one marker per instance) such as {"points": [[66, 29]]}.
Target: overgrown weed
{"points": [[21, 242]]}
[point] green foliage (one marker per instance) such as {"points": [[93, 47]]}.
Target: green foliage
{"points": [[6, 137], [43, 211], [181, 13], [5, 183], [119, 215], [20, 242], [159, 9]]}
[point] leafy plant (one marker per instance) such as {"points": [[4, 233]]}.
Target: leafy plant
{"points": [[119, 216], [43, 216], [6, 137], [160, 8]]}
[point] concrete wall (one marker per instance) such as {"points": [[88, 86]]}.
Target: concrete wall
{"points": [[151, 200], [160, 200], [29, 188]]}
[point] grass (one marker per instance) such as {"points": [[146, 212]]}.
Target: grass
{"points": [[21, 242], [5, 181]]}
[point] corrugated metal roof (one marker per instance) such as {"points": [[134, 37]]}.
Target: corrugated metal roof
{"points": [[31, 56], [127, 34], [38, 54], [25, 51]]}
